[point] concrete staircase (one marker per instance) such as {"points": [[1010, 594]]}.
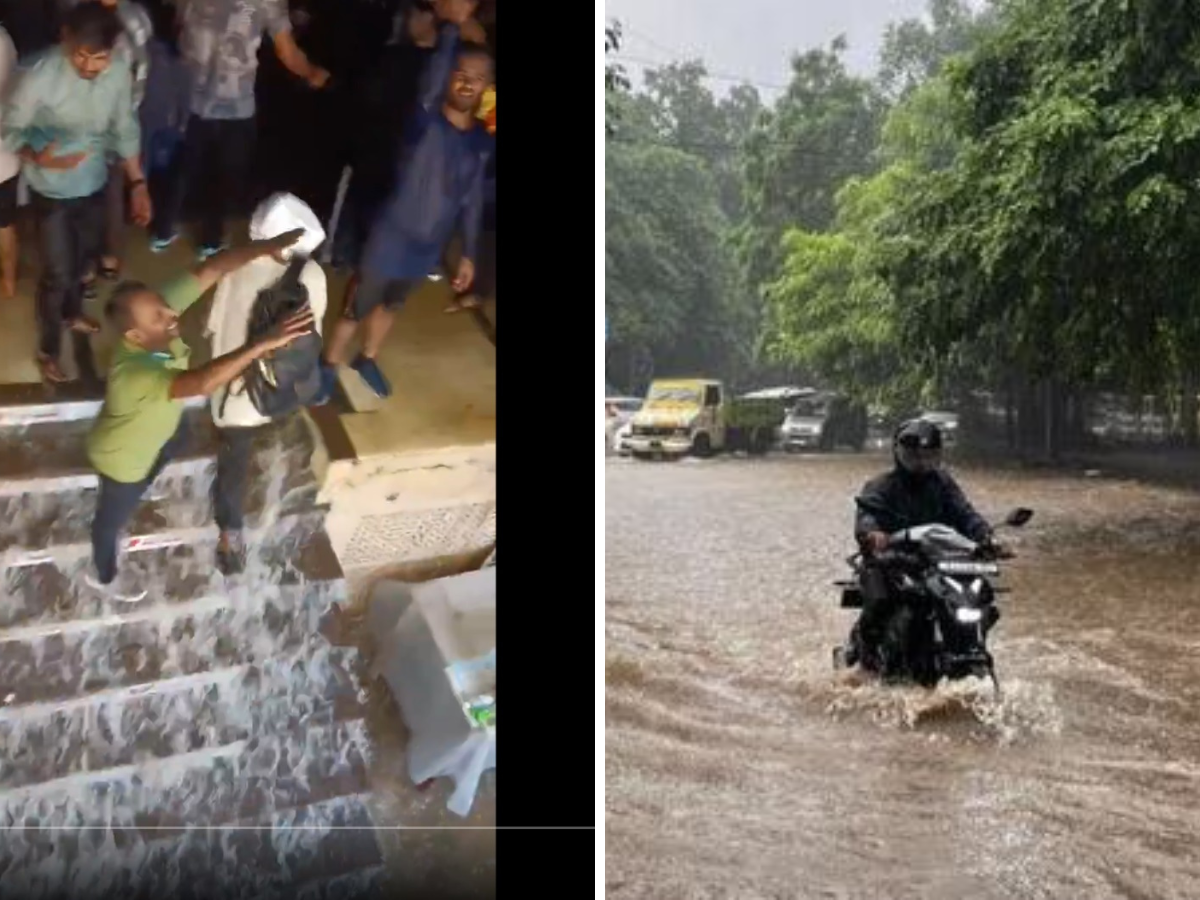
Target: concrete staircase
{"points": [[206, 741]]}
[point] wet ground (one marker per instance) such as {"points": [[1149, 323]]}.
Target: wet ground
{"points": [[738, 765]]}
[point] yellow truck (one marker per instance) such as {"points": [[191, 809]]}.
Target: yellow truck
{"points": [[697, 416]]}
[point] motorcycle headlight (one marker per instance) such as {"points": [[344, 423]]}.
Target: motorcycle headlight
{"points": [[968, 615]]}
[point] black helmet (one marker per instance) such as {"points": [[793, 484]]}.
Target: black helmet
{"points": [[917, 447]]}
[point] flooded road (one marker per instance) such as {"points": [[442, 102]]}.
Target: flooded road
{"points": [[739, 766]]}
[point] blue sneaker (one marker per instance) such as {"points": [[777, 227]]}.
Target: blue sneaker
{"points": [[370, 372], [210, 250], [328, 381], [159, 244]]}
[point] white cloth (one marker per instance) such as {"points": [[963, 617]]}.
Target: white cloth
{"points": [[10, 163], [281, 213], [229, 320]]}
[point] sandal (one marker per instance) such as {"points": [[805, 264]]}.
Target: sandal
{"points": [[50, 370], [84, 325], [88, 289], [109, 273]]}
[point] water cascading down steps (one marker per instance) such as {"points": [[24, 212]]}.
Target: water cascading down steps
{"points": [[206, 741]]}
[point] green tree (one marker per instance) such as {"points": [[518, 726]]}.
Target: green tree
{"points": [[685, 114], [915, 50], [821, 132], [1066, 226], [667, 284], [615, 79]]}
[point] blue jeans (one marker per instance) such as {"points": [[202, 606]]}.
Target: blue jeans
{"points": [[116, 504]]}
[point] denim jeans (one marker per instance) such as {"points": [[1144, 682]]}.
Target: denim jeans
{"points": [[116, 504]]}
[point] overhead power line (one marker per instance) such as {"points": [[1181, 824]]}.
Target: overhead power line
{"points": [[728, 77]]}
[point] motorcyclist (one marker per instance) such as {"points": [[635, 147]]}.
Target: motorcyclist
{"points": [[917, 491]]}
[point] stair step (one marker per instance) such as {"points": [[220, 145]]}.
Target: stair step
{"points": [[51, 593], [237, 626], [295, 848], [53, 455], [32, 526], [43, 741], [311, 762], [365, 883], [28, 403]]}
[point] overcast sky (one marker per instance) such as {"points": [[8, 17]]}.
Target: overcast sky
{"points": [[753, 38]]}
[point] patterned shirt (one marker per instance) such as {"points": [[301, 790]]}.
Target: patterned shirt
{"points": [[220, 44]]}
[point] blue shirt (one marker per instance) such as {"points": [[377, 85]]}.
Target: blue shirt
{"points": [[439, 186], [52, 104]]}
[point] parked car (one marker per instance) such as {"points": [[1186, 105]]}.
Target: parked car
{"points": [[618, 413], [623, 407], [619, 442], [824, 421]]}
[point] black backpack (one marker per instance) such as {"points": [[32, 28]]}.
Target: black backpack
{"points": [[290, 378]]}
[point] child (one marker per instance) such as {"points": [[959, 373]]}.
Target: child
{"points": [[235, 415]]}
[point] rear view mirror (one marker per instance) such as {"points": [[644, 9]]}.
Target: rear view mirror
{"points": [[1018, 517]]}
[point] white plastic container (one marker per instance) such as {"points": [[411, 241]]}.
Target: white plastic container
{"points": [[436, 648]]}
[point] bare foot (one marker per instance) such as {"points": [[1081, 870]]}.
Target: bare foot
{"points": [[84, 325], [110, 268], [50, 370], [458, 304]]}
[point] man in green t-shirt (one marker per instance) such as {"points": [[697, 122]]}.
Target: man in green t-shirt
{"points": [[140, 425]]}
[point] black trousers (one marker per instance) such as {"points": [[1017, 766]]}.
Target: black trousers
{"points": [[71, 233], [233, 471], [215, 159], [116, 504]]}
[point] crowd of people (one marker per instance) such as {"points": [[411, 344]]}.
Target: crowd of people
{"points": [[131, 110]]}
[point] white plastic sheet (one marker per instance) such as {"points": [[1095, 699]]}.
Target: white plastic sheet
{"points": [[436, 649], [281, 213]]}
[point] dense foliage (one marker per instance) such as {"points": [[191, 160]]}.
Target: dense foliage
{"points": [[1013, 202]]}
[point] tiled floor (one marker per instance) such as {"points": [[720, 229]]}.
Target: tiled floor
{"points": [[442, 366]]}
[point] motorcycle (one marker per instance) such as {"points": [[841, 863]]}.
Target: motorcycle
{"points": [[944, 590]]}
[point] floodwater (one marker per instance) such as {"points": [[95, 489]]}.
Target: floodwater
{"points": [[739, 765]]}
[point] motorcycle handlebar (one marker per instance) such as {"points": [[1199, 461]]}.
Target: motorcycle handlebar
{"points": [[909, 560]]}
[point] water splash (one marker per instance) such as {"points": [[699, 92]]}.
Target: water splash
{"points": [[963, 709]]}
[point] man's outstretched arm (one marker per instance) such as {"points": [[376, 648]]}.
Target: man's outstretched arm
{"points": [[217, 266], [202, 382]]}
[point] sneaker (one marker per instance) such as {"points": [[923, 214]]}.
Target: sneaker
{"points": [[208, 251], [231, 553], [328, 382], [119, 589], [159, 244], [370, 372]]}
